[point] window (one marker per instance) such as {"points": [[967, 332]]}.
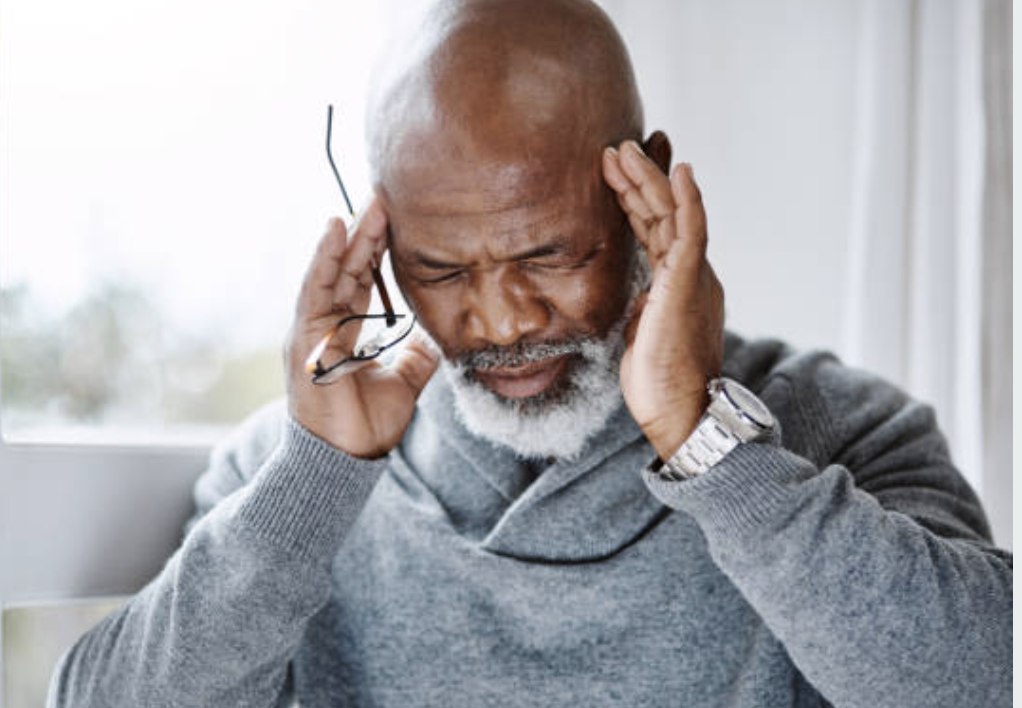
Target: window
{"points": [[163, 183]]}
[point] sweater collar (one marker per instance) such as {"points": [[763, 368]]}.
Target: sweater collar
{"points": [[580, 510]]}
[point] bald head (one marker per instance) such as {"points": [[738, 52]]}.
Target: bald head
{"points": [[526, 86]]}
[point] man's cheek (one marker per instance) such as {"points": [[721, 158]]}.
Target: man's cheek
{"points": [[435, 316], [417, 300], [587, 301]]}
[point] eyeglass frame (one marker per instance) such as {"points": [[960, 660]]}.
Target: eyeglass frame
{"points": [[368, 350]]}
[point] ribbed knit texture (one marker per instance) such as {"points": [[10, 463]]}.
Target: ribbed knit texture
{"points": [[308, 494], [746, 490]]}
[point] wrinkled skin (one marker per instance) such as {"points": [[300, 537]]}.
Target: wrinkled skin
{"points": [[510, 218]]}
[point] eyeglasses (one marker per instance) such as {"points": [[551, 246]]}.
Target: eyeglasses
{"points": [[376, 332]]}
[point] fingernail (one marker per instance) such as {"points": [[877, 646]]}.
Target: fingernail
{"points": [[691, 172], [610, 150], [635, 147]]}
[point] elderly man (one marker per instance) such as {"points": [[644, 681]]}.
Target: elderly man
{"points": [[603, 498]]}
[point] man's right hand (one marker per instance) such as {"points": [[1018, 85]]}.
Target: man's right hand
{"points": [[364, 413]]}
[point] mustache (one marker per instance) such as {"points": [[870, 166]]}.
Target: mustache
{"points": [[518, 354]]}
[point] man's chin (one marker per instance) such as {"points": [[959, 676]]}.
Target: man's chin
{"points": [[555, 422]]}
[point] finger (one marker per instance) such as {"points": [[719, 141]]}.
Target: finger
{"points": [[417, 362], [650, 218], [650, 180], [316, 295], [639, 226], [628, 194], [690, 217], [354, 277], [655, 188], [612, 172], [624, 191]]}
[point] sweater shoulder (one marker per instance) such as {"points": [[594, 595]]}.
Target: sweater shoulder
{"points": [[252, 442], [832, 413], [757, 361], [824, 406], [235, 460]]}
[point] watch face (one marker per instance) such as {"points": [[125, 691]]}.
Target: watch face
{"points": [[748, 404]]}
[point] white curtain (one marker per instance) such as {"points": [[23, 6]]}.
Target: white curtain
{"points": [[928, 300]]}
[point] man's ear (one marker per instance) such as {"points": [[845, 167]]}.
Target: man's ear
{"points": [[658, 148]]}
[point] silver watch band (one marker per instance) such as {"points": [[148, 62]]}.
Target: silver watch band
{"points": [[705, 447], [734, 416]]}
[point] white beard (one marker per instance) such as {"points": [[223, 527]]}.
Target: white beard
{"points": [[559, 425]]}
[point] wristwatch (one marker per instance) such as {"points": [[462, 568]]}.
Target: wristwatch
{"points": [[734, 416]]}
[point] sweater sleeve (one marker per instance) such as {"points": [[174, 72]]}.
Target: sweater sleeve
{"points": [[875, 570], [220, 623]]}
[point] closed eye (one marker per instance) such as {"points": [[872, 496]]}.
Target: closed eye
{"points": [[544, 259], [446, 277], [551, 265], [557, 262]]}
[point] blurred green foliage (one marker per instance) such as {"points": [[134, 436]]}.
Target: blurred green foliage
{"points": [[113, 359]]}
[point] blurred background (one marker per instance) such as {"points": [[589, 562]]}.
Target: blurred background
{"points": [[163, 182]]}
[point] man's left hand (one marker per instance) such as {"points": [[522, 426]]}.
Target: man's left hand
{"points": [[675, 342]]}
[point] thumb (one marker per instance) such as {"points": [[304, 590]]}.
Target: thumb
{"points": [[417, 362]]}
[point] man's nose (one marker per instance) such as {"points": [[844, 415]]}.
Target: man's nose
{"points": [[504, 308]]}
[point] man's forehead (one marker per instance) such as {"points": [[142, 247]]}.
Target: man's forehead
{"points": [[462, 167], [438, 183], [504, 223]]}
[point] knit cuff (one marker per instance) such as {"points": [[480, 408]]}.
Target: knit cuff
{"points": [[751, 487], [308, 494]]}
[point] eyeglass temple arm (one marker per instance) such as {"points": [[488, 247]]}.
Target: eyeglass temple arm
{"points": [[330, 156], [384, 297], [377, 277]]}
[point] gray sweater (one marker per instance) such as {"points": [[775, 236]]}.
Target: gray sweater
{"points": [[849, 566]]}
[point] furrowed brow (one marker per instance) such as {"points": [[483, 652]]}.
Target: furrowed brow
{"points": [[555, 247], [558, 246], [539, 252], [433, 263]]}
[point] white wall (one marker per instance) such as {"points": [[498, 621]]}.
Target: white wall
{"points": [[758, 97]]}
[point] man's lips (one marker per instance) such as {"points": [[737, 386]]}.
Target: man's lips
{"points": [[523, 381]]}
